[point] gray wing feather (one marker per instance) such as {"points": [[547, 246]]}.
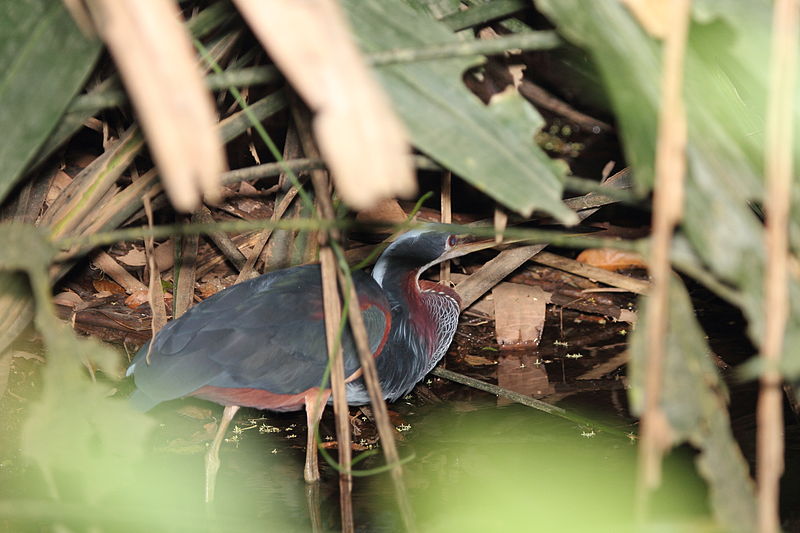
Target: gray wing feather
{"points": [[265, 333]]}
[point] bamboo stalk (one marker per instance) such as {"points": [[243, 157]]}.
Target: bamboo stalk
{"points": [[333, 317], [668, 205], [778, 169]]}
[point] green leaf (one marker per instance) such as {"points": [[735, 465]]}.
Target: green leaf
{"points": [[74, 431], [694, 400], [724, 85], [45, 63], [24, 247], [435, 8], [725, 94], [448, 122]]}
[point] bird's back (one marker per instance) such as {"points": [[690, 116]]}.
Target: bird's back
{"points": [[265, 334]]}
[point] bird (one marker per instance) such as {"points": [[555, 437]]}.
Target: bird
{"points": [[261, 343]]}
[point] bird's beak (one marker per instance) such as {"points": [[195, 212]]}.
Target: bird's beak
{"points": [[467, 245]]}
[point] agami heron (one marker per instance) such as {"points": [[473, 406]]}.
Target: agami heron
{"points": [[262, 344]]}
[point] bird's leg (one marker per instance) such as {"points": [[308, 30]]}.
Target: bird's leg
{"points": [[212, 456], [315, 405]]}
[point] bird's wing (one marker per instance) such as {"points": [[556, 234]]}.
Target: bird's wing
{"points": [[266, 333]]}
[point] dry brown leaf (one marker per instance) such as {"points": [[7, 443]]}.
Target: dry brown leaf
{"points": [[388, 210], [210, 287], [68, 299], [155, 57], [165, 255], [107, 286], [248, 205], [518, 371], [57, 186], [137, 298], [247, 189], [611, 259], [155, 295], [519, 313], [476, 360], [135, 258], [364, 143]]}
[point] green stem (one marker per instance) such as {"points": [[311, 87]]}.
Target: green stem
{"points": [[535, 40], [160, 232], [482, 14]]}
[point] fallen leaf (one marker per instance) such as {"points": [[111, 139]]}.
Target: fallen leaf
{"points": [[246, 188], [611, 259], [60, 182], [248, 205], [136, 298], [518, 371], [107, 286], [388, 210], [210, 287], [135, 258], [519, 313], [165, 255], [476, 360], [68, 299]]}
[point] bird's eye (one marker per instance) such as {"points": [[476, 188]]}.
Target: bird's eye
{"points": [[452, 240]]}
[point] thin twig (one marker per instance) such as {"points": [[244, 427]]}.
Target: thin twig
{"points": [[167, 230], [385, 428], [778, 170], [593, 273], [291, 150], [263, 237], [156, 293], [185, 275], [668, 203], [509, 260], [105, 98], [543, 99], [259, 127], [333, 318], [446, 218], [221, 239], [271, 169], [332, 307], [534, 40], [115, 271], [526, 400]]}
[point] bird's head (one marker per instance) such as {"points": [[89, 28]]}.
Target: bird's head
{"points": [[420, 249]]}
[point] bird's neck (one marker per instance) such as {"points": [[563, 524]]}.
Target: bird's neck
{"points": [[424, 315], [402, 288], [411, 298]]}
